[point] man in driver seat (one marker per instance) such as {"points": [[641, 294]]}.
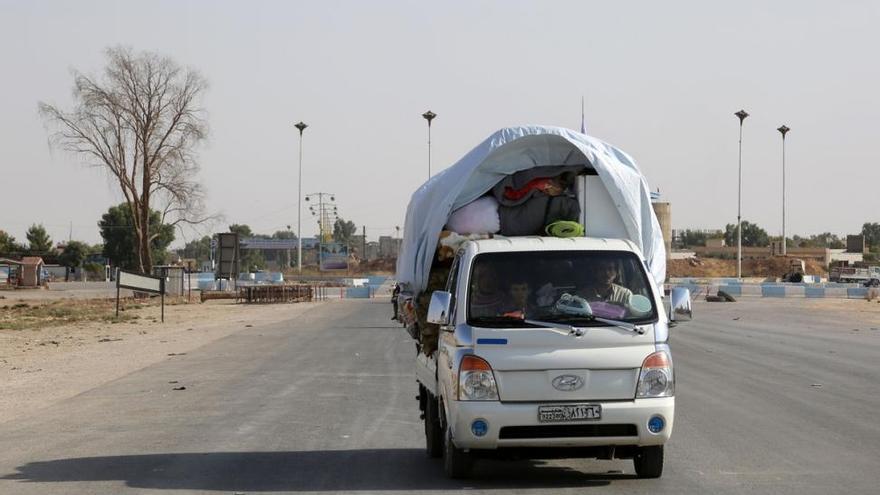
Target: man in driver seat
{"points": [[600, 286]]}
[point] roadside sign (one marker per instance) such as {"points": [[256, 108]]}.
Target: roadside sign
{"points": [[227, 256], [136, 281], [141, 283]]}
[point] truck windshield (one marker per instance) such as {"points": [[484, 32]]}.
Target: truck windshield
{"points": [[571, 287]]}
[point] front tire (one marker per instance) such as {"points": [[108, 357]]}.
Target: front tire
{"points": [[456, 462], [433, 428], [648, 462]]}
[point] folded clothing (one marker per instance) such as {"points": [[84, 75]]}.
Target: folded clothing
{"points": [[522, 186], [477, 217], [547, 185]]}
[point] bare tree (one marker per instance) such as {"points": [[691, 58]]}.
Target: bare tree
{"points": [[141, 122]]}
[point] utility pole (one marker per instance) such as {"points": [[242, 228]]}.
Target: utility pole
{"points": [[364, 242], [742, 114], [783, 130], [299, 250], [325, 210]]}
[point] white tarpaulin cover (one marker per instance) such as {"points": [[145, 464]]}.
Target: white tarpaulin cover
{"points": [[519, 148]]}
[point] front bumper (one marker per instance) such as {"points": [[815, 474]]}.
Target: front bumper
{"points": [[500, 414]]}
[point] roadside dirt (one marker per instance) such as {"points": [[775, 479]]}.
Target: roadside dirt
{"points": [[716, 267], [44, 360]]}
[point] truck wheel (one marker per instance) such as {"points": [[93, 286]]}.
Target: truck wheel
{"points": [[648, 462], [433, 429], [456, 462]]}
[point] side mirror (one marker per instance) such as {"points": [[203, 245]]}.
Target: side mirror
{"points": [[680, 305], [438, 310]]}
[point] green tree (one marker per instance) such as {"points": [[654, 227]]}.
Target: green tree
{"points": [[871, 231], [120, 244], [243, 230], [824, 240], [691, 238], [251, 259], [287, 256], [199, 249], [7, 243], [73, 255], [343, 231], [38, 239], [752, 235]]}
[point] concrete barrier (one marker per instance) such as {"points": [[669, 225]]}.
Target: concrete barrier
{"points": [[778, 290], [772, 291], [358, 292]]}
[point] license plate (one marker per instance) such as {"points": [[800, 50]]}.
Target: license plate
{"points": [[569, 412]]}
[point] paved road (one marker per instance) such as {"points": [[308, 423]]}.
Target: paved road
{"points": [[325, 403]]}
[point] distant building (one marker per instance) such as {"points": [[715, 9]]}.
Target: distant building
{"points": [[372, 250], [389, 247], [717, 242], [31, 271]]}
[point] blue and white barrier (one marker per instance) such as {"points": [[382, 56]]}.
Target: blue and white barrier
{"points": [[775, 290]]}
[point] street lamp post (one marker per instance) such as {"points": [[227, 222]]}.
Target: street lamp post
{"points": [[742, 116], [299, 249], [783, 130], [429, 116]]}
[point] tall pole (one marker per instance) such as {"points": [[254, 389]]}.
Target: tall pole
{"points": [[783, 130], [429, 116], [299, 248], [742, 116]]}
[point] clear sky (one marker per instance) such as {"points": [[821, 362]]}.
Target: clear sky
{"points": [[661, 80]]}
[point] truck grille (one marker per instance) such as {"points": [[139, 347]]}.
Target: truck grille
{"points": [[567, 431]]}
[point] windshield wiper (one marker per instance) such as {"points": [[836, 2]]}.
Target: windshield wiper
{"points": [[546, 325], [617, 323]]}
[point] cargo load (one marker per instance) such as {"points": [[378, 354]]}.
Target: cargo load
{"points": [[521, 181]]}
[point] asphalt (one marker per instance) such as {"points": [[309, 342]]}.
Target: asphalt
{"points": [[771, 398]]}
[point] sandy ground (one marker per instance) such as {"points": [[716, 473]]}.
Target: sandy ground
{"points": [[41, 366]]}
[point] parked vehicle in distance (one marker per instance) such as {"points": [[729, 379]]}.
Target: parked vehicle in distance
{"points": [[845, 274]]}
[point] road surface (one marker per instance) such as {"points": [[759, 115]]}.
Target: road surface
{"points": [[771, 398]]}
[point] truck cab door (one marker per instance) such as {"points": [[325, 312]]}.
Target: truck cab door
{"points": [[447, 345]]}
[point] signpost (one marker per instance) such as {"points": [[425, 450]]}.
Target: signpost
{"points": [[141, 283], [228, 256]]}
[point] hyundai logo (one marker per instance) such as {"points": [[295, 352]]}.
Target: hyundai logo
{"points": [[568, 383]]}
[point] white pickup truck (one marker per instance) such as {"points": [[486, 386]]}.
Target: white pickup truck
{"points": [[566, 380], [548, 347]]}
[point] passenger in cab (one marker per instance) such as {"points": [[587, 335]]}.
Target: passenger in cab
{"points": [[600, 277], [487, 298]]}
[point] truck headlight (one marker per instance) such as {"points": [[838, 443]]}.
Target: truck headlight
{"points": [[656, 379], [476, 381]]}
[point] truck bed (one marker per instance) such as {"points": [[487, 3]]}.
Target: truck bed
{"points": [[426, 372]]}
